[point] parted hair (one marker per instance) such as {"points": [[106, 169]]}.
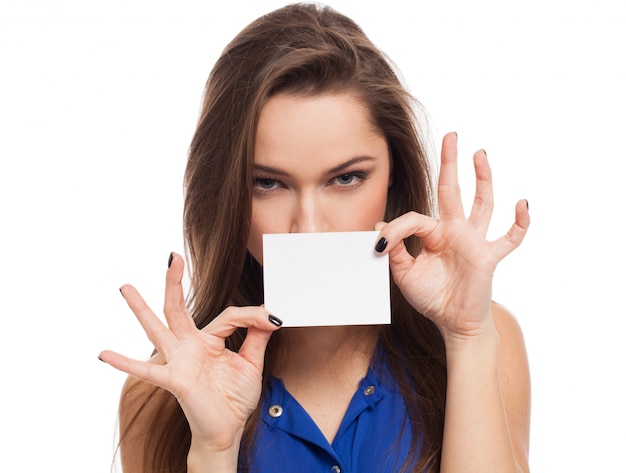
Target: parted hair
{"points": [[301, 49]]}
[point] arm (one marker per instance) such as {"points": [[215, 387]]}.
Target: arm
{"points": [[488, 401], [486, 425]]}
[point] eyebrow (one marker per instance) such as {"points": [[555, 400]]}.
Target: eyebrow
{"points": [[281, 172]]}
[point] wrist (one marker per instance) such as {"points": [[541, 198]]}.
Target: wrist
{"points": [[481, 340], [204, 458]]}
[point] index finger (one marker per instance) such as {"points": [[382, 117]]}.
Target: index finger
{"points": [[233, 318]]}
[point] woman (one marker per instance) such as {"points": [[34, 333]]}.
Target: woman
{"points": [[306, 128]]}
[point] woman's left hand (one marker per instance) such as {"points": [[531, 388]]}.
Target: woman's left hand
{"points": [[450, 280]]}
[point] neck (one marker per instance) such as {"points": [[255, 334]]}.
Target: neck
{"points": [[328, 353]]}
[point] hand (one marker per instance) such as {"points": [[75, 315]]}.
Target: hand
{"points": [[450, 280], [217, 389]]}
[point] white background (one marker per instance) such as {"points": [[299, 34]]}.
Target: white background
{"points": [[98, 102]]}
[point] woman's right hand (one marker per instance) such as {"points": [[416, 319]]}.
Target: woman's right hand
{"points": [[217, 389]]}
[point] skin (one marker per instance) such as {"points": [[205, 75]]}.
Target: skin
{"points": [[332, 177], [320, 165]]}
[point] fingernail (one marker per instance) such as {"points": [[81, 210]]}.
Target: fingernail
{"points": [[122, 293], [169, 261], [527, 206], [381, 245], [485, 153], [275, 320], [101, 359]]}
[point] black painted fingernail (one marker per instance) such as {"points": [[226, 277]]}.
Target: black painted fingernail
{"points": [[485, 153], [275, 320], [122, 293], [527, 206], [169, 261], [381, 245], [101, 359]]}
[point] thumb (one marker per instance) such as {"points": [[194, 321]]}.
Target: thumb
{"points": [[253, 347]]}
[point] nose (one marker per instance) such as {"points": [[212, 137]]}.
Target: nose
{"points": [[309, 215]]}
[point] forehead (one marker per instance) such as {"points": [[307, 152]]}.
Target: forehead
{"points": [[321, 127]]}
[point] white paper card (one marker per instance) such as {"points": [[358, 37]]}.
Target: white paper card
{"points": [[320, 279]]}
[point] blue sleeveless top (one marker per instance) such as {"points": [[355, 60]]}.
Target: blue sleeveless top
{"points": [[374, 436]]}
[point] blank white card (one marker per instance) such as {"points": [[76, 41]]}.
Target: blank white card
{"points": [[321, 279]]}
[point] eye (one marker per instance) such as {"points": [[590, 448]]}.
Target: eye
{"points": [[346, 179], [265, 184], [349, 179]]}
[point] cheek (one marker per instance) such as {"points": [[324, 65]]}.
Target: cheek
{"points": [[264, 220], [360, 213], [371, 208]]}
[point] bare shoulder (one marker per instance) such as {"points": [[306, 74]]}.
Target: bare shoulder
{"points": [[512, 353], [506, 323], [514, 380]]}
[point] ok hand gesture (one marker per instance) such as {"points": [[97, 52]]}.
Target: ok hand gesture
{"points": [[450, 280], [217, 389]]}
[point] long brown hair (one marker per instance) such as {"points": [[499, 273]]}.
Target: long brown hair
{"points": [[300, 49]]}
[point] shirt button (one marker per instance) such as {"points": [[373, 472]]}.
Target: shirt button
{"points": [[275, 411], [336, 469], [368, 391]]}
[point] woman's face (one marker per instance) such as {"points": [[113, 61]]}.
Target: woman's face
{"points": [[319, 166]]}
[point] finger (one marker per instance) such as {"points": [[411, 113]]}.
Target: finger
{"points": [[450, 204], [392, 235], [233, 318], [507, 243], [482, 208], [174, 308], [254, 346], [157, 331], [149, 372], [410, 223]]}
